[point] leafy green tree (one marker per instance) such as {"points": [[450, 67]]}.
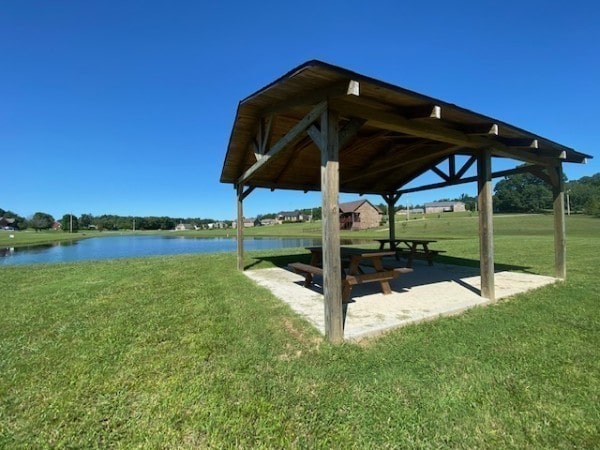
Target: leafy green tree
{"points": [[41, 221], [583, 192], [592, 207], [522, 192], [22, 223], [85, 220], [469, 201], [69, 223]]}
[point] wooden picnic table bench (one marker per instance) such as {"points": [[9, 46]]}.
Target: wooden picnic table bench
{"points": [[411, 249], [353, 274]]}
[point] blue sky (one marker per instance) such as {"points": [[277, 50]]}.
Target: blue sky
{"points": [[125, 107]]}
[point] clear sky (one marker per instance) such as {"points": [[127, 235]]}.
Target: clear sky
{"points": [[125, 107]]}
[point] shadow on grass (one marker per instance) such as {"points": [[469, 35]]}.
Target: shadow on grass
{"points": [[282, 261]]}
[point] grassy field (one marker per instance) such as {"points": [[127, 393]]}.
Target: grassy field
{"points": [[185, 352]]}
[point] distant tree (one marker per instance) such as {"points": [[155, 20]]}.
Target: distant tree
{"points": [[470, 202], [592, 207], [85, 220], [522, 192], [22, 223], [583, 193], [41, 221], [69, 222]]}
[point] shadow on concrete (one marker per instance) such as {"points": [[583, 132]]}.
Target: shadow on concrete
{"points": [[445, 268]]}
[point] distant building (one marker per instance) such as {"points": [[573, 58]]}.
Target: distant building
{"points": [[217, 225], [293, 216], [402, 212], [440, 207], [8, 223], [248, 223], [56, 226], [359, 215], [184, 227], [269, 221]]}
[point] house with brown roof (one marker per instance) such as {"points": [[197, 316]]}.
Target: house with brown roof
{"points": [[359, 215]]}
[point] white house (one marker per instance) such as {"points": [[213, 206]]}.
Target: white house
{"points": [[439, 207]]}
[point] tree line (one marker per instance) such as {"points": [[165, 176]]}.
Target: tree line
{"points": [[515, 193], [528, 193], [70, 222]]}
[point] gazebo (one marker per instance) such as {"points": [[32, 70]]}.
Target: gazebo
{"points": [[324, 128]]}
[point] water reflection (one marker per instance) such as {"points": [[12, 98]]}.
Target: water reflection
{"points": [[6, 251]]}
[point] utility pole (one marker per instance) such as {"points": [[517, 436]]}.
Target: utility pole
{"points": [[568, 203], [70, 223], [407, 212], [134, 224]]}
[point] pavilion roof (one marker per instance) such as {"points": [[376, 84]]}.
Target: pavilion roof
{"points": [[388, 135]]}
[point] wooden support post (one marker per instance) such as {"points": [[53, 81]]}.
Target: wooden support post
{"points": [[240, 227], [560, 241], [486, 229], [332, 267], [391, 200]]}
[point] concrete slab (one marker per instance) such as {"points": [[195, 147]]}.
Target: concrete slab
{"points": [[425, 294]]}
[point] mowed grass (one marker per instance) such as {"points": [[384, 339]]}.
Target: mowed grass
{"points": [[186, 352]]}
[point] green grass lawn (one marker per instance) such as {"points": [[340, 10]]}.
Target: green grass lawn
{"points": [[186, 352]]}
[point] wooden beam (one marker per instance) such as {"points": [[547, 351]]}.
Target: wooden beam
{"points": [[263, 136], [466, 167], [240, 227], [396, 122], [560, 241], [421, 112], [349, 131], [485, 129], [345, 134], [440, 174], [452, 166], [525, 143], [391, 205], [416, 173], [543, 174], [284, 142], [247, 192], [338, 89], [430, 130], [379, 167], [456, 181], [317, 137], [332, 266], [292, 156], [521, 154], [486, 228]]}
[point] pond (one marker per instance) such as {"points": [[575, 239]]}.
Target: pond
{"points": [[139, 246]]}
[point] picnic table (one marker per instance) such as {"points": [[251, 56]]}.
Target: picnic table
{"points": [[411, 249], [352, 273]]}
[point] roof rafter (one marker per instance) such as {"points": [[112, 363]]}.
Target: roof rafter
{"points": [[502, 173], [338, 89], [285, 141]]}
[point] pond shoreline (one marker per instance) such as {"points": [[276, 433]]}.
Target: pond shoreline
{"points": [[117, 246]]}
